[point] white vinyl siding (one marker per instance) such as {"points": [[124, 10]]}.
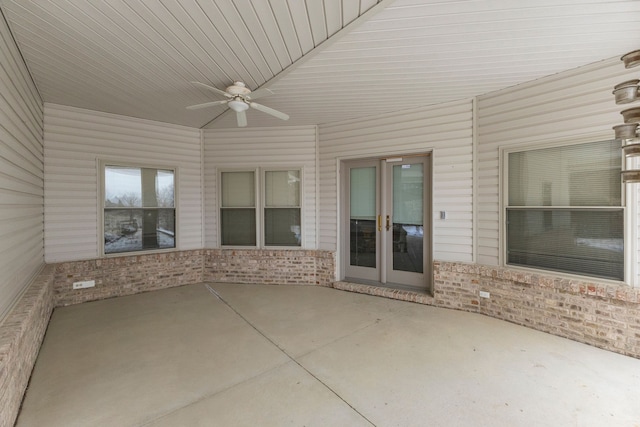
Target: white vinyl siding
{"points": [[573, 106], [270, 148], [446, 131], [21, 175], [75, 140]]}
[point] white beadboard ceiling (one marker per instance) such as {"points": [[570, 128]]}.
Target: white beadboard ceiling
{"points": [[326, 60]]}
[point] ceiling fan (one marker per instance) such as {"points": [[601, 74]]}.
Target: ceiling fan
{"points": [[239, 99]]}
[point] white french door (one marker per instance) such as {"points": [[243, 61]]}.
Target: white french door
{"points": [[386, 219]]}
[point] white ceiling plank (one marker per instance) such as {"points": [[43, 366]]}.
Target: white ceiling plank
{"points": [[265, 15], [366, 5], [73, 50], [151, 43], [350, 11], [166, 37], [333, 13], [138, 58], [302, 24], [288, 30], [222, 66], [177, 36], [142, 62], [317, 20], [260, 38], [229, 27], [235, 18]]}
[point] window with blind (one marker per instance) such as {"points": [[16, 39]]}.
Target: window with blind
{"points": [[282, 208], [139, 210], [564, 209], [280, 220], [238, 208]]}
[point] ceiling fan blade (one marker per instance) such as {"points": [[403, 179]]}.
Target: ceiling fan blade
{"points": [[271, 111], [214, 89], [260, 93], [242, 118], [207, 104]]}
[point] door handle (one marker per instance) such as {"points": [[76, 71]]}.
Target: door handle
{"points": [[379, 222], [388, 222]]}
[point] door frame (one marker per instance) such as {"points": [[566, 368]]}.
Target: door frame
{"points": [[342, 256]]}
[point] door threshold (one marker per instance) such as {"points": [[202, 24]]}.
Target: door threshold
{"points": [[391, 286], [420, 296]]}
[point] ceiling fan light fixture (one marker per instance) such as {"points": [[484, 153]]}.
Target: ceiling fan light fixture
{"points": [[239, 99], [238, 106]]}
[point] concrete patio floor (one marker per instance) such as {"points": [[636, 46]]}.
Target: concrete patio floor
{"points": [[259, 355]]}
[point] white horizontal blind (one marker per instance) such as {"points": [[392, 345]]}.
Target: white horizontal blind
{"points": [[238, 189], [571, 106], [282, 188], [576, 175], [564, 209], [446, 130], [362, 203], [21, 174], [75, 139], [281, 148]]}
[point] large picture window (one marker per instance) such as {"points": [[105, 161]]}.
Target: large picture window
{"points": [[564, 209], [139, 209], [278, 222]]}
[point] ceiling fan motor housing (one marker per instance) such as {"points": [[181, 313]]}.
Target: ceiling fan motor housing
{"points": [[238, 89]]}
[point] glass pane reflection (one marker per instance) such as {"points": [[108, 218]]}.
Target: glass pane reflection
{"points": [[363, 243], [408, 229]]}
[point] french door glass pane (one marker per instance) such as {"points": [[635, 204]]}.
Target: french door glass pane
{"points": [[363, 193], [282, 227], [238, 226], [408, 217], [362, 220], [408, 188], [586, 242], [363, 243]]}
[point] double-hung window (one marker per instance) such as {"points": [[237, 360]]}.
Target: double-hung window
{"points": [[238, 208], [139, 209], [564, 209], [278, 220]]}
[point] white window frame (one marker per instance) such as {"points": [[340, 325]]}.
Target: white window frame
{"points": [[263, 189], [256, 205], [627, 196], [102, 164], [260, 185]]}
